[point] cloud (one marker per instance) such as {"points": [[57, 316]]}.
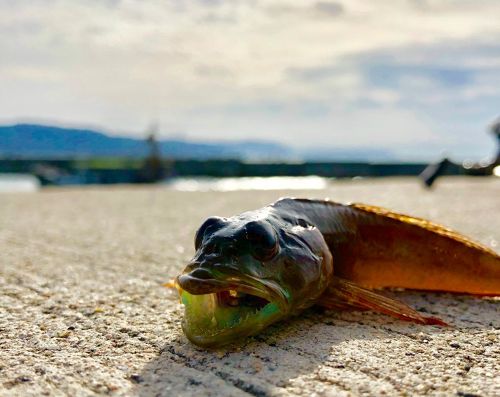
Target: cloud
{"points": [[301, 72], [330, 8]]}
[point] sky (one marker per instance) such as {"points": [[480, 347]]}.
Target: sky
{"points": [[418, 78]]}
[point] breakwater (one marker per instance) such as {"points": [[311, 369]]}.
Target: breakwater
{"points": [[116, 170]]}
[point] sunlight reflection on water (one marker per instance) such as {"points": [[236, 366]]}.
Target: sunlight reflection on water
{"points": [[18, 183], [248, 183]]}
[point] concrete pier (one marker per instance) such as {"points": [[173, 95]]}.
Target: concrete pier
{"points": [[83, 312]]}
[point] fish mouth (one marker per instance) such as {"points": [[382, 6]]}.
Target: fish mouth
{"points": [[243, 285], [218, 311]]}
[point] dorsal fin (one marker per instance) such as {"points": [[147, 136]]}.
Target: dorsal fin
{"points": [[424, 224]]}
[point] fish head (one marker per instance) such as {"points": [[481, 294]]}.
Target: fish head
{"points": [[248, 272]]}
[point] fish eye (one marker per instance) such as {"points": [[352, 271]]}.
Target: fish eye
{"points": [[263, 241], [213, 223], [302, 222]]}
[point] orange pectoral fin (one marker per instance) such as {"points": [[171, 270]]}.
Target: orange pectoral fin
{"points": [[172, 283], [343, 294]]}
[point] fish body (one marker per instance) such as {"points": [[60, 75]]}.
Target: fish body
{"points": [[378, 248], [262, 266]]}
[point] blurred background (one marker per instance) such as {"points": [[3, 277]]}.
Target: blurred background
{"points": [[185, 91]]}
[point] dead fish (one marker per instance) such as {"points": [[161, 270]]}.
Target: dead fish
{"points": [[262, 266]]}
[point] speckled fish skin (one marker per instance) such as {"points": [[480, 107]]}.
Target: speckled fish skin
{"points": [[299, 252]]}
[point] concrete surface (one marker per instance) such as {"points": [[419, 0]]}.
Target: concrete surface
{"points": [[82, 311]]}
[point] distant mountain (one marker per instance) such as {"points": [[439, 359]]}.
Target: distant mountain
{"points": [[31, 140], [41, 141]]}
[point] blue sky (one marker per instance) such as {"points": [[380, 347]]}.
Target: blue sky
{"points": [[418, 78]]}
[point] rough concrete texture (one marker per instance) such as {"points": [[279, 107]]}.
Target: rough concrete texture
{"points": [[82, 310]]}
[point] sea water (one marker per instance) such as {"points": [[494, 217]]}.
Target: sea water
{"points": [[248, 183], [18, 183]]}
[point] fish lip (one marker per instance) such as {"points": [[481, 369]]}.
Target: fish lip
{"points": [[263, 288], [198, 286]]}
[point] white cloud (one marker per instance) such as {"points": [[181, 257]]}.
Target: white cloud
{"points": [[233, 68]]}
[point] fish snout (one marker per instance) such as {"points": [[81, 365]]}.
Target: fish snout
{"points": [[201, 273], [198, 281]]}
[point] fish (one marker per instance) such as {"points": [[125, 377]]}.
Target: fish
{"points": [[263, 266]]}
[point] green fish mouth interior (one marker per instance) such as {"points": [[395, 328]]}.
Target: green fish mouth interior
{"points": [[234, 298], [220, 317]]}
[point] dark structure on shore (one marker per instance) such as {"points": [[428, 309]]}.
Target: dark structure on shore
{"points": [[153, 169], [495, 129], [433, 171]]}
